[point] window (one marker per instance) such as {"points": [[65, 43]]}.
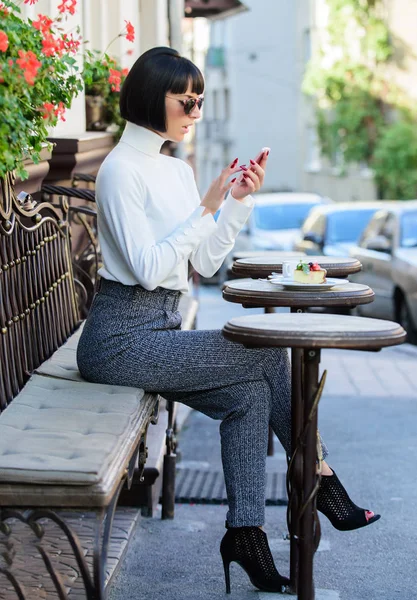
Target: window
{"points": [[389, 227], [319, 227], [315, 223], [216, 57], [227, 104], [347, 225], [408, 236], [280, 216], [215, 104], [379, 235], [373, 228]]}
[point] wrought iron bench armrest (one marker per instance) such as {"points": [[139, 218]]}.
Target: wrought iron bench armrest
{"points": [[70, 192], [83, 209], [84, 177]]}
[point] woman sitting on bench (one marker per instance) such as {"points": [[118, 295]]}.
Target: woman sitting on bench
{"points": [[151, 222]]}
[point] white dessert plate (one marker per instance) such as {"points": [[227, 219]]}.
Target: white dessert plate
{"points": [[290, 284]]}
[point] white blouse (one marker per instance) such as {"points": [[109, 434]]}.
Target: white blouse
{"points": [[150, 220]]}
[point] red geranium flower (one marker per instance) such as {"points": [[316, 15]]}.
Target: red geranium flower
{"points": [[43, 24], [130, 35], [115, 80], [4, 41], [125, 72], [30, 65], [59, 111], [31, 2], [70, 44], [67, 5], [47, 110], [49, 45]]}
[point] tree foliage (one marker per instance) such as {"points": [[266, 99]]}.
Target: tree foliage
{"points": [[395, 160], [356, 101]]}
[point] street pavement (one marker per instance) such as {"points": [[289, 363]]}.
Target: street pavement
{"points": [[368, 417]]}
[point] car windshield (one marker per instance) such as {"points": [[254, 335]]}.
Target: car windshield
{"points": [[409, 230], [347, 225], [281, 216]]}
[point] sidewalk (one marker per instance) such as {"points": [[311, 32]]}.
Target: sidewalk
{"points": [[368, 416]]}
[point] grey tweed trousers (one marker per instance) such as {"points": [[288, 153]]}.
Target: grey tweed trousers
{"points": [[132, 337]]}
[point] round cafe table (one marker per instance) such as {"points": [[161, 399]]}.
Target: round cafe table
{"points": [[262, 266], [308, 334], [252, 293], [275, 255]]}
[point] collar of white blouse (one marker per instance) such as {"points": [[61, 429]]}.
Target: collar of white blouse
{"points": [[142, 139]]}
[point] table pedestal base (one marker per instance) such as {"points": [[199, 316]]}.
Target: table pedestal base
{"points": [[306, 335], [303, 473]]}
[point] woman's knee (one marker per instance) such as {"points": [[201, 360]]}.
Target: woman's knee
{"points": [[249, 397], [276, 360]]}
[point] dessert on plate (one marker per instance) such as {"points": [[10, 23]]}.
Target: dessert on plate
{"points": [[309, 273]]}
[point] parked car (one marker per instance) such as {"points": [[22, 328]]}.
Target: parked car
{"points": [[333, 229], [277, 217], [388, 252]]}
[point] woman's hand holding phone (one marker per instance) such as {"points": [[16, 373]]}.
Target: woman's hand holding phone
{"points": [[250, 181], [214, 198], [252, 177]]}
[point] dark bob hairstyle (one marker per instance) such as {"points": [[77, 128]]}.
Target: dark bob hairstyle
{"points": [[156, 73]]}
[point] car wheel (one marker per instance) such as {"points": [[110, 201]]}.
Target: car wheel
{"points": [[405, 319]]}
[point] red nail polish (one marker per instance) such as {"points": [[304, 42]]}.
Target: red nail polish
{"points": [[243, 167], [267, 153], [245, 175], [252, 162], [234, 162], [233, 180]]}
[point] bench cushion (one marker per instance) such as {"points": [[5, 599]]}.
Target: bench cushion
{"points": [[55, 432], [63, 362]]}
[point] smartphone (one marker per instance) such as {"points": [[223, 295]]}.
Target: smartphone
{"points": [[259, 156]]}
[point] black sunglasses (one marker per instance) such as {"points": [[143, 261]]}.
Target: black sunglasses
{"points": [[190, 104]]}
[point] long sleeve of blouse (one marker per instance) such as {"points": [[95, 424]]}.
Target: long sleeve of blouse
{"points": [[211, 252], [150, 220]]}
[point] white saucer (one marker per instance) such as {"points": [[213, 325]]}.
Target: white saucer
{"points": [[290, 284]]}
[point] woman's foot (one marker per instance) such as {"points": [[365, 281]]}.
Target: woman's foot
{"points": [[248, 546], [334, 502]]}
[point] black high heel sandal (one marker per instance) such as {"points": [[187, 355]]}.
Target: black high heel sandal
{"points": [[248, 547], [334, 502]]}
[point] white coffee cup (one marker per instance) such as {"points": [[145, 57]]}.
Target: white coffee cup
{"points": [[288, 268]]}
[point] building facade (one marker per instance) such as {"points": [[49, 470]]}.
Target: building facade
{"points": [[252, 93], [254, 71]]}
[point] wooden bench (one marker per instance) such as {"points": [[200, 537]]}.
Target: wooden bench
{"points": [[158, 477], [65, 443]]}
